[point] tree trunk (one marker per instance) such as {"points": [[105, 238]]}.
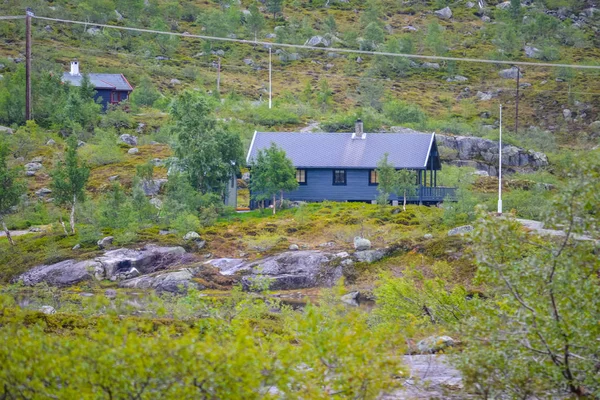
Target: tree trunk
{"points": [[10, 239], [281, 199], [274, 203], [404, 204], [72, 217], [62, 223]]}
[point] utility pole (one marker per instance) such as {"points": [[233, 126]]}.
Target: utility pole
{"points": [[28, 15], [517, 102], [500, 166], [219, 76], [270, 82]]}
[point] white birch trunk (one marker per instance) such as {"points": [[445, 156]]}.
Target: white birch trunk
{"points": [[72, 216], [10, 239]]}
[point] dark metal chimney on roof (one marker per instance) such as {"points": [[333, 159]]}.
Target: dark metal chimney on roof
{"points": [[359, 132]]}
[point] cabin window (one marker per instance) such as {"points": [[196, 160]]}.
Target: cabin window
{"points": [[114, 97], [301, 176], [373, 177], [339, 176]]}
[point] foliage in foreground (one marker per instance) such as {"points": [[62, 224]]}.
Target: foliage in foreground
{"points": [[238, 349]]}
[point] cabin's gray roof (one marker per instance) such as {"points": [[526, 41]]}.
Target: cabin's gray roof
{"points": [[407, 149], [100, 81]]}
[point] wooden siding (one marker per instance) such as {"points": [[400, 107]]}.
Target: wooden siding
{"points": [[104, 96]]}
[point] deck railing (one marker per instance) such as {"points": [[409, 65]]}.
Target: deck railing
{"points": [[434, 194]]}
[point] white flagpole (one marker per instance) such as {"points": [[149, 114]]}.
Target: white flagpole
{"points": [[270, 84], [500, 166]]}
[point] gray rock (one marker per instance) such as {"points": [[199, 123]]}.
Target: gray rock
{"points": [[93, 31], [200, 244], [246, 13], [485, 18], [532, 52], [410, 28], [510, 73], [270, 36], [50, 142], [43, 192], [318, 41], [342, 254], [38, 159], [48, 310], [428, 236], [361, 243], [294, 247], [327, 244], [220, 53], [64, 273], [110, 293], [370, 256], [133, 150], [157, 162], [156, 202], [461, 230], [351, 298], [435, 344], [113, 178], [80, 143], [33, 166], [105, 242], [169, 281], [140, 128], [485, 96], [76, 247], [118, 264], [161, 58], [444, 13], [567, 114], [482, 154], [457, 78], [191, 236], [504, 5], [119, 15], [152, 187], [30, 173], [175, 81], [128, 139], [470, 4], [286, 271], [248, 61], [333, 55], [428, 65]]}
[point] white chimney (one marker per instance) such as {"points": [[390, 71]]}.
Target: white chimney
{"points": [[359, 130], [74, 67]]}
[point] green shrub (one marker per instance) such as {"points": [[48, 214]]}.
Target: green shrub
{"points": [[262, 115], [400, 112], [104, 151]]}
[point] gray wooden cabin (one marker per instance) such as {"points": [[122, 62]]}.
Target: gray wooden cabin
{"points": [[342, 166]]}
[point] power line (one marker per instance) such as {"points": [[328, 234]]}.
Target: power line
{"points": [[12, 17], [330, 49]]}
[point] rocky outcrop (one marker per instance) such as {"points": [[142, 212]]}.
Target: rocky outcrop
{"points": [[114, 265], [165, 281], [128, 139], [444, 13], [482, 154], [318, 41]]}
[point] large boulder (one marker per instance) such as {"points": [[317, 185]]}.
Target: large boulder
{"points": [[152, 187], [482, 154], [444, 13], [370, 256], [165, 281], [460, 230], [318, 41], [286, 271], [435, 344], [361, 243], [128, 139], [114, 265]]}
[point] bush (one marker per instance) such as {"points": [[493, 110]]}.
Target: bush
{"points": [[185, 223], [400, 112], [104, 151], [262, 115]]}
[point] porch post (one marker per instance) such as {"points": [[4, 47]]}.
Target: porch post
{"points": [[435, 178]]}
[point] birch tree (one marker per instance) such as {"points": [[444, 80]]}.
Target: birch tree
{"points": [[11, 188], [69, 179]]}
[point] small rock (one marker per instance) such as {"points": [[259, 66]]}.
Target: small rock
{"points": [[110, 293], [503, 6], [191, 236], [359, 60], [43, 192], [30, 173], [200, 244], [157, 162], [567, 114], [76, 247], [105, 242], [410, 28], [270, 36], [152, 187], [444, 13], [93, 31], [161, 58], [457, 78], [369, 256], [485, 18], [428, 236], [133, 150], [157, 203], [119, 16], [294, 247], [113, 178], [175, 81], [80, 143], [428, 65], [140, 128], [361, 244], [470, 4], [48, 28], [164, 233], [510, 73], [435, 344], [327, 244], [48, 310], [532, 52], [461, 230], [329, 66], [50, 142], [351, 298], [128, 139], [342, 254], [33, 166], [248, 61]]}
